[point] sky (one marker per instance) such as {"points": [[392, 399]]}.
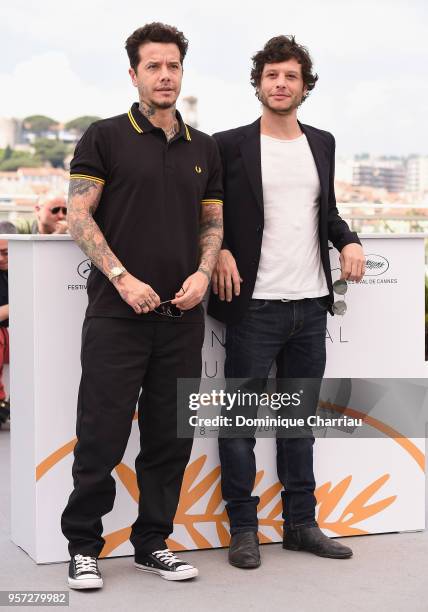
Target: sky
{"points": [[68, 59]]}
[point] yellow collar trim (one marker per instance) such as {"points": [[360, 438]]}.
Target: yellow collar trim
{"points": [[134, 123], [140, 131]]}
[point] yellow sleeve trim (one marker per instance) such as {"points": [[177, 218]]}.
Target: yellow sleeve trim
{"points": [[87, 176], [211, 201]]}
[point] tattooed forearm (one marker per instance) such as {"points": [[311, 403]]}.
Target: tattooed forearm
{"points": [[210, 237], [83, 198], [79, 187]]}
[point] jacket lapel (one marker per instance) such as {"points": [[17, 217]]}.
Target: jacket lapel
{"points": [[250, 151], [320, 155]]}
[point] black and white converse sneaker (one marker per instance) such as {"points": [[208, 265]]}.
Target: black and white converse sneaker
{"points": [[166, 564], [84, 573]]}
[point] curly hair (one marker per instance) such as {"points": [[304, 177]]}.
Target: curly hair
{"points": [[154, 32], [282, 49]]}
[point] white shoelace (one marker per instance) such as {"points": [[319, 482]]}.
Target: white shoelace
{"points": [[167, 557], [85, 564]]}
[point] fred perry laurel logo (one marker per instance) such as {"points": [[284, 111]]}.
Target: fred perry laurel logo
{"points": [[198, 169]]}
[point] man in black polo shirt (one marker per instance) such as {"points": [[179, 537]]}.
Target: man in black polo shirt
{"points": [[145, 206]]}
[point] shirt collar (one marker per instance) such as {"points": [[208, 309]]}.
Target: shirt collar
{"points": [[141, 124]]}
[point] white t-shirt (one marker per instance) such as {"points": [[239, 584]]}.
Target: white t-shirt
{"points": [[290, 264]]}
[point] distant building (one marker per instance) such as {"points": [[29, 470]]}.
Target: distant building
{"points": [[10, 132], [189, 109], [20, 190], [68, 136], [30, 182], [380, 173], [55, 132], [52, 178], [417, 174], [9, 181]]}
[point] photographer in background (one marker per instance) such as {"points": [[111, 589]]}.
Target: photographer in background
{"points": [[5, 228], [51, 212]]}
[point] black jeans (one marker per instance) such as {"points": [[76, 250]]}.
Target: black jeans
{"points": [[119, 357], [292, 334]]}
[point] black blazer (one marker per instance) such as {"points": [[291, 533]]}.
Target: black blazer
{"points": [[243, 209]]}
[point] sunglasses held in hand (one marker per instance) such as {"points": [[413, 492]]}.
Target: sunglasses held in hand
{"points": [[340, 287], [169, 310]]}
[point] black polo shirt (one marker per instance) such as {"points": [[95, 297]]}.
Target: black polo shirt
{"points": [[150, 206]]}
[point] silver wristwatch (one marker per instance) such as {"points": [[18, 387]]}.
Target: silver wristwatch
{"points": [[115, 272]]}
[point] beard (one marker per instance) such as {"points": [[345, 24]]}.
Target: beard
{"points": [[152, 105], [163, 105], [294, 104]]}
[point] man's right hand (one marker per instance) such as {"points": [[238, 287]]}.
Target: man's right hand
{"points": [[61, 227], [141, 297], [226, 280]]}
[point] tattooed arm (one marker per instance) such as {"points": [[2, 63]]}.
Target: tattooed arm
{"points": [[83, 199], [210, 239]]}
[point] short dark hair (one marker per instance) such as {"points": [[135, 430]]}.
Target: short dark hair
{"points": [[281, 49], [154, 32]]}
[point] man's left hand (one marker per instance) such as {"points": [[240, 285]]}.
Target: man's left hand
{"points": [[195, 287], [352, 262]]}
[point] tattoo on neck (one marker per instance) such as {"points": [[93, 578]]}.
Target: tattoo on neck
{"points": [[146, 109], [172, 131], [149, 111]]}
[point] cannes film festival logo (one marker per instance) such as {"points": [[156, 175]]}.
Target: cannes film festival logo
{"points": [[84, 268], [376, 265]]}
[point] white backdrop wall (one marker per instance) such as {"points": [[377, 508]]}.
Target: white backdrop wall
{"points": [[363, 486]]}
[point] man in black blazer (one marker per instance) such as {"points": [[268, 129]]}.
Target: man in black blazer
{"points": [[272, 285]]}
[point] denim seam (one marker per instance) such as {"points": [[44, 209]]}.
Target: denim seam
{"points": [[287, 499]]}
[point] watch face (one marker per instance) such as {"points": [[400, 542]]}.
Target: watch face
{"points": [[116, 271]]}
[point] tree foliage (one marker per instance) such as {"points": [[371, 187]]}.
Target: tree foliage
{"points": [[19, 159], [81, 124], [7, 153], [52, 151], [39, 123]]}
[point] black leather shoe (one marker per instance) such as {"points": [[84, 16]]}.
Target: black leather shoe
{"points": [[313, 540], [4, 411], [244, 550]]}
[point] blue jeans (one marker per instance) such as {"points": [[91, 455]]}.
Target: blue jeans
{"points": [[293, 335]]}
